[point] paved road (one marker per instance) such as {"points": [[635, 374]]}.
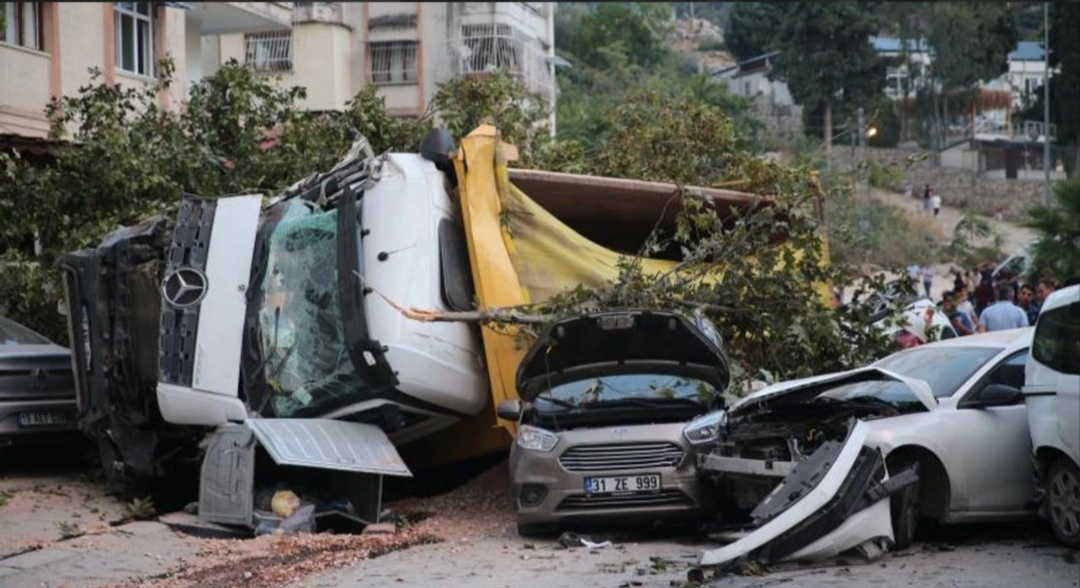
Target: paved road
{"points": [[971, 556]]}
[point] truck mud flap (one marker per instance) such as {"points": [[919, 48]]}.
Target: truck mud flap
{"points": [[354, 455], [814, 510]]}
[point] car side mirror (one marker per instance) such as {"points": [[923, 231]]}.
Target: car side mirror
{"points": [[997, 395], [509, 410]]}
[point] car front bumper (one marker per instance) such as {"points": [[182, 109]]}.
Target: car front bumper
{"points": [[547, 491], [11, 431]]}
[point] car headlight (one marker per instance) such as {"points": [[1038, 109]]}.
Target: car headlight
{"points": [[536, 439], [706, 428]]}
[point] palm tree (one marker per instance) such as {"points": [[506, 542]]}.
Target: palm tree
{"points": [[1058, 225]]}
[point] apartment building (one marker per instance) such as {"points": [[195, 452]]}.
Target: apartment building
{"points": [[334, 49], [48, 48]]}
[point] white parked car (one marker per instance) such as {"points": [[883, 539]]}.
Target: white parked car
{"points": [[813, 457], [1052, 391]]}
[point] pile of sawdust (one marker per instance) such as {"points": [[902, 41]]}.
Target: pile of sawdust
{"points": [[482, 507]]}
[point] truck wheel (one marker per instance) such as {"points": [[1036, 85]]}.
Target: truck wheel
{"points": [[1063, 496], [904, 507]]}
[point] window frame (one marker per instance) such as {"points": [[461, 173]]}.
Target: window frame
{"points": [[276, 62], [15, 23], [407, 52], [132, 10], [1048, 319], [454, 270]]}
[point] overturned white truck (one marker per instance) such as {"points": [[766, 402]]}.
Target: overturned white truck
{"points": [[249, 317]]}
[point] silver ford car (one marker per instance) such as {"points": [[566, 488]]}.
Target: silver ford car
{"points": [[605, 399]]}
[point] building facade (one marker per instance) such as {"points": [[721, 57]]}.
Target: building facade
{"points": [[47, 49], [335, 49]]}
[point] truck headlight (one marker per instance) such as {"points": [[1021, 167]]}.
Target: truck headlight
{"points": [[706, 428], [536, 439]]}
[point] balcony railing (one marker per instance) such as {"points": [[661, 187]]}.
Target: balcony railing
{"points": [[486, 48], [270, 51], [328, 12]]}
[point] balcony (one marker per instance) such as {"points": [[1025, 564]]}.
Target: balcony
{"points": [[223, 18], [324, 12], [483, 48]]}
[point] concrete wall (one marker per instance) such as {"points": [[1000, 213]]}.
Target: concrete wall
{"points": [[961, 188]]}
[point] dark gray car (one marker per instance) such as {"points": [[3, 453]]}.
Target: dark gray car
{"points": [[37, 393], [605, 398]]}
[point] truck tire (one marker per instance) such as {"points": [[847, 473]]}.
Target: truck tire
{"points": [[1063, 497], [904, 506]]}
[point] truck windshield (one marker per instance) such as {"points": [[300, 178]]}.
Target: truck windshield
{"points": [[308, 370]]}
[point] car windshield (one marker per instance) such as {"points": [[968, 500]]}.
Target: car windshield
{"points": [[644, 387], [308, 366], [945, 369], [891, 392], [12, 333]]}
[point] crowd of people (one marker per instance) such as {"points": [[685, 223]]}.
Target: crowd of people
{"points": [[993, 303]]}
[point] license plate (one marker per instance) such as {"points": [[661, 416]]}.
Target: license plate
{"points": [[42, 419], [622, 484]]}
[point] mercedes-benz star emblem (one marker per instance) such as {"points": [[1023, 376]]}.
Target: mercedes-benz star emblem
{"points": [[184, 287], [39, 378]]}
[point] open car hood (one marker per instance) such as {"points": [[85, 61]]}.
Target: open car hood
{"points": [[806, 388], [614, 338]]}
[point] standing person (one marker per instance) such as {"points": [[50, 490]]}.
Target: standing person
{"points": [[1025, 299], [926, 198], [1003, 314], [935, 201], [964, 305], [1043, 288], [984, 291], [927, 273], [957, 317]]}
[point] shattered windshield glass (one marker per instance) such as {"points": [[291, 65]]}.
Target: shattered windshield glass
{"points": [[628, 387], [308, 369]]}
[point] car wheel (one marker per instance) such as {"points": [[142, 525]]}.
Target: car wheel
{"points": [[537, 530], [1063, 496], [904, 507]]}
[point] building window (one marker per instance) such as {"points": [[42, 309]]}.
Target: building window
{"points": [[271, 51], [486, 47], [393, 63], [134, 33], [22, 24]]}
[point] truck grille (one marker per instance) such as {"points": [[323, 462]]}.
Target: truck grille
{"points": [[662, 498], [621, 456], [179, 325]]}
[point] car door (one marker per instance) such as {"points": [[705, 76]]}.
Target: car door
{"points": [[994, 443]]}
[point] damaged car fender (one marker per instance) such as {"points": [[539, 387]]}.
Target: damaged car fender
{"points": [[805, 515]]}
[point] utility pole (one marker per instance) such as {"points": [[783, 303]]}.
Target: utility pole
{"points": [[860, 130], [1046, 103]]}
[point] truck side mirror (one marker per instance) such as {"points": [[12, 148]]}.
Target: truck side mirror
{"points": [[509, 410]]}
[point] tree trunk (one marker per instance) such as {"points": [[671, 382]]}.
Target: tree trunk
{"points": [[828, 129]]}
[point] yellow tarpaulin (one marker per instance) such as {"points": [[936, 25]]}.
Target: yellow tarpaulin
{"points": [[520, 254]]}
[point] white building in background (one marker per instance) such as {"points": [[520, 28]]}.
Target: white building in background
{"points": [[47, 48], [333, 49]]}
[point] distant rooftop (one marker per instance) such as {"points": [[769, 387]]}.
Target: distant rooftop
{"points": [[1027, 51], [892, 45]]}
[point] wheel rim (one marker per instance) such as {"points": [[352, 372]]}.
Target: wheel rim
{"points": [[1065, 502]]}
